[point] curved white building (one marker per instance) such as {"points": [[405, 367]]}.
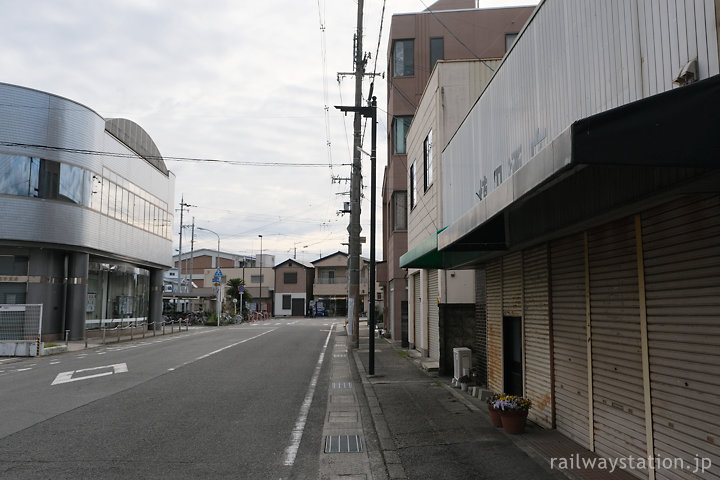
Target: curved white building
{"points": [[85, 213]]}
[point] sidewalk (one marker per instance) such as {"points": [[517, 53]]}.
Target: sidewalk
{"points": [[430, 430]]}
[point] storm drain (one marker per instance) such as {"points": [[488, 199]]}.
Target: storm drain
{"points": [[343, 444], [339, 355], [342, 385]]}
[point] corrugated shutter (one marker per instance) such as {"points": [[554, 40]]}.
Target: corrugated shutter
{"points": [[417, 320], [682, 283], [618, 400], [433, 314], [512, 284], [570, 351], [494, 327], [537, 334]]}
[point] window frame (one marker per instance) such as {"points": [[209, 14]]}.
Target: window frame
{"points": [[408, 69], [427, 161], [396, 208], [434, 58], [405, 121], [413, 186]]}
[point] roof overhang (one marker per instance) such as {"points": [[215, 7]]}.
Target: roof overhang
{"points": [[598, 165], [426, 255]]}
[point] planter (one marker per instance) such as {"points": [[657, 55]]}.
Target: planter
{"points": [[495, 417], [513, 421]]}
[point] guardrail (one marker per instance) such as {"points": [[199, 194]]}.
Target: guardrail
{"points": [[139, 329]]}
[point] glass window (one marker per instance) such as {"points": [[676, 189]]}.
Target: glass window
{"points": [[402, 124], [19, 175], [403, 58], [256, 278], [509, 40], [73, 187], [413, 186], [286, 302], [427, 161], [12, 293], [13, 265], [399, 210], [290, 277], [437, 51], [49, 179], [95, 192]]}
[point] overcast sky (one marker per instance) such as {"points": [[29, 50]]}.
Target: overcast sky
{"points": [[230, 80]]}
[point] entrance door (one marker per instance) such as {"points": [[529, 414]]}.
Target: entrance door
{"points": [[512, 355], [298, 307]]}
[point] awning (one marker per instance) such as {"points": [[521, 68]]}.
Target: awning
{"points": [[427, 255]]}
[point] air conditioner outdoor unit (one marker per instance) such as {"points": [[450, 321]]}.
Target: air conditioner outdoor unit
{"points": [[462, 362]]}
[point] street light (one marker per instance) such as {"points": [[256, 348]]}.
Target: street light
{"points": [[261, 278], [217, 265]]}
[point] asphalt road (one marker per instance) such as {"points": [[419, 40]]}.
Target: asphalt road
{"points": [[208, 403]]}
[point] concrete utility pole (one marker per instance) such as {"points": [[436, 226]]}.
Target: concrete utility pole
{"points": [[354, 228], [180, 269]]}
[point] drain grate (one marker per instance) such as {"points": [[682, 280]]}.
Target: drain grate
{"points": [[342, 385], [339, 355], [343, 444]]}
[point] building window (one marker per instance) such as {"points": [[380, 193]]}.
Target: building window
{"points": [[399, 210], [413, 186], [509, 40], [402, 124], [437, 51], [427, 161], [256, 278], [403, 58], [290, 277], [286, 302]]}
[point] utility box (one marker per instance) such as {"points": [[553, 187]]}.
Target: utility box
{"points": [[462, 362]]}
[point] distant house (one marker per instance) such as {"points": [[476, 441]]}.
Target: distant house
{"points": [[331, 287], [293, 287]]}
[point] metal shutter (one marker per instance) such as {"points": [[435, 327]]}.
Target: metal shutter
{"points": [[537, 334], [617, 373], [433, 315], [682, 284], [417, 319], [567, 260], [494, 327]]}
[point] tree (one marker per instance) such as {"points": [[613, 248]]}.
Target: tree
{"points": [[232, 292]]}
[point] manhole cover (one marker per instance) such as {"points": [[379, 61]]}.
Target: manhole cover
{"points": [[343, 444]]}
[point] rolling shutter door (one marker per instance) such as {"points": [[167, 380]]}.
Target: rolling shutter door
{"points": [[682, 283], [418, 311], [494, 327], [618, 400], [569, 339], [433, 315], [537, 334]]}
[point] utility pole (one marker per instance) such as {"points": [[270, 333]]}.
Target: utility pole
{"points": [[354, 228], [182, 209]]}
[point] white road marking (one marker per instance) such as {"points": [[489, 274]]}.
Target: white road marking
{"points": [[297, 433], [201, 357], [66, 377], [22, 369]]}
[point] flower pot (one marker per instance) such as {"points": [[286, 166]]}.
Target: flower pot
{"points": [[513, 421], [495, 417]]}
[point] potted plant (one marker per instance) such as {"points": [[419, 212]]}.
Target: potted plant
{"points": [[464, 381], [513, 411], [494, 414]]}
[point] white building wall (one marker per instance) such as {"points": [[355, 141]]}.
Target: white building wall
{"points": [[575, 58]]}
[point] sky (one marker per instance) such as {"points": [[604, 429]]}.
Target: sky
{"points": [[238, 96]]}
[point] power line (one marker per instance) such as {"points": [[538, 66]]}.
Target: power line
{"points": [[172, 159]]}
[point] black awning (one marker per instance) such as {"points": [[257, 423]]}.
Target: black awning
{"points": [[680, 127]]}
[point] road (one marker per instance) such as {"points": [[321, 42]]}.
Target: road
{"points": [[208, 403]]}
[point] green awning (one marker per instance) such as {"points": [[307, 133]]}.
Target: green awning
{"points": [[424, 255]]}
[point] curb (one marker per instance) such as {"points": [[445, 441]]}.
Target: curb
{"points": [[388, 450]]}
